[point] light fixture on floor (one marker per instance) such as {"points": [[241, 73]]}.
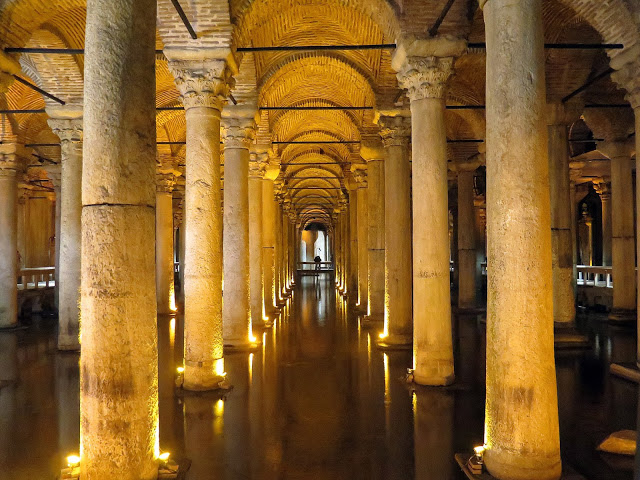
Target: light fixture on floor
{"points": [[72, 472]]}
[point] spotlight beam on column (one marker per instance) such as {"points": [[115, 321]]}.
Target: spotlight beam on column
{"points": [[38, 89], [184, 19]]}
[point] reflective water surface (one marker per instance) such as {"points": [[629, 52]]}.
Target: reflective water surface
{"points": [[317, 401]]}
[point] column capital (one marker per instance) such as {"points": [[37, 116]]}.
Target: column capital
{"points": [[627, 74], [371, 148], [359, 173], [258, 163], [395, 131], [616, 149], [603, 188], [68, 129], [202, 83], [238, 132], [424, 66], [11, 163]]}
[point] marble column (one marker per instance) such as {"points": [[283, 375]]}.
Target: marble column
{"points": [[467, 248], [10, 168], [398, 327], [268, 243], [360, 174], [238, 133], [425, 79], [165, 292], [559, 117], [256, 173], [604, 190], [622, 231], [203, 85], [54, 172], [119, 360], [521, 414], [371, 150], [352, 278], [277, 253], [66, 123]]}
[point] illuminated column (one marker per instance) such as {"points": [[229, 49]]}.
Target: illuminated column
{"points": [[238, 133], [398, 328], [66, 123], [256, 287], [559, 117], [604, 190], [360, 174], [10, 166], [467, 257], [622, 232], [521, 416], [425, 78], [165, 293], [268, 243], [277, 251], [371, 150], [119, 360], [203, 85], [352, 279], [54, 172]]}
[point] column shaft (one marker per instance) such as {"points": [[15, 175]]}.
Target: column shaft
{"points": [[268, 246], [8, 241], [398, 328], [352, 281], [236, 311], [118, 360], [564, 309], [256, 246], [467, 257], [432, 336], [521, 420], [376, 235], [363, 248], [164, 251]]}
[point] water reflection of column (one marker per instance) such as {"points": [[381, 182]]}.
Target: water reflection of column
{"points": [[203, 435], [237, 448], [166, 381], [398, 416], [8, 375], [67, 378], [433, 434]]}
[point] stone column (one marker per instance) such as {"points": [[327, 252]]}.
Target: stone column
{"points": [[256, 173], [119, 360], [521, 420], [203, 85], [238, 133], [622, 231], [54, 172], [604, 190], [268, 243], [277, 252], [467, 256], [66, 123], [559, 117], [165, 293], [360, 174], [371, 150], [398, 328], [10, 168], [352, 279], [425, 79]]}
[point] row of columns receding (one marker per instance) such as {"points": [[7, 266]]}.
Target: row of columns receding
{"points": [[117, 206]]}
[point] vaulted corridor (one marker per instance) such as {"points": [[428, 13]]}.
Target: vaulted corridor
{"points": [[318, 400]]}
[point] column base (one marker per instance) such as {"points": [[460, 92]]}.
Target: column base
{"points": [[622, 315], [240, 346], [372, 321], [522, 466], [430, 380], [206, 383], [463, 462], [395, 342], [567, 337]]}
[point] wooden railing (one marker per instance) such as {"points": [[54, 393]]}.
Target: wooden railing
{"points": [[594, 276], [36, 278]]}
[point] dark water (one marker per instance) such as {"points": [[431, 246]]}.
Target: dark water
{"points": [[317, 401]]}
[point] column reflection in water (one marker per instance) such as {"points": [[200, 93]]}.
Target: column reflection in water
{"points": [[433, 434], [67, 387], [167, 373], [8, 380], [237, 431], [398, 415]]}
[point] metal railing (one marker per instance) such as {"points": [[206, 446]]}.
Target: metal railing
{"points": [[36, 278], [594, 276]]}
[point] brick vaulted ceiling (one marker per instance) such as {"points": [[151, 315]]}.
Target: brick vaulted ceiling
{"points": [[320, 78]]}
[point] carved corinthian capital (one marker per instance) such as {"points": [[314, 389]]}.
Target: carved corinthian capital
{"points": [[395, 131], [68, 130], [202, 83], [425, 77], [238, 132], [628, 77]]}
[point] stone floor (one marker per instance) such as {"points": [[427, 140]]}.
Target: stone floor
{"points": [[317, 401]]}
